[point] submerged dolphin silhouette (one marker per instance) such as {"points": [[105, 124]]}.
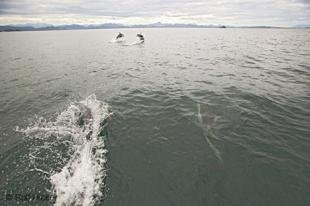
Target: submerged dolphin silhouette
{"points": [[85, 119], [207, 132]]}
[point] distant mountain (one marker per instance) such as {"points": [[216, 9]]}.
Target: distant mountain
{"points": [[161, 25], [15, 28], [31, 27], [305, 26], [35, 25], [45, 27]]}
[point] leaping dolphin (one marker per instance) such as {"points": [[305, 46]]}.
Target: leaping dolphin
{"points": [[141, 37], [120, 35]]}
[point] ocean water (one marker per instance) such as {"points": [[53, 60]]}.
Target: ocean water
{"points": [[190, 117]]}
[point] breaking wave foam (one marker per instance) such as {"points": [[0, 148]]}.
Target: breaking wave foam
{"points": [[119, 40], [71, 152]]}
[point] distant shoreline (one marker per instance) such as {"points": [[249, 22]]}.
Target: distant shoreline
{"points": [[14, 28]]}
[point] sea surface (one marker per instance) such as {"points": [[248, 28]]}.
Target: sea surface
{"points": [[198, 117]]}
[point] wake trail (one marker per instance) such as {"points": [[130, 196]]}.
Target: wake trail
{"points": [[206, 133], [70, 151], [119, 40], [139, 42]]}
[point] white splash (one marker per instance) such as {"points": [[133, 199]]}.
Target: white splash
{"points": [[137, 42], [118, 40], [75, 136]]}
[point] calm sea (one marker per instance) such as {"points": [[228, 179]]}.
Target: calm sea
{"points": [[191, 117]]}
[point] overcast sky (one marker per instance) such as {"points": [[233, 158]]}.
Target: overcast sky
{"points": [[227, 12]]}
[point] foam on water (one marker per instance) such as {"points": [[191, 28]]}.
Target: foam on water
{"points": [[119, 40], [138, 42], [76, 140]]}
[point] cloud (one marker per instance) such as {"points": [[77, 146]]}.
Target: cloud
{"points": [[231, 12]]}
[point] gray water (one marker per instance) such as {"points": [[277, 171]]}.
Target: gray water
{"points": [[190, 117]]}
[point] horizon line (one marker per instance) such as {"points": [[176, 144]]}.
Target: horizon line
{"points": [[38, 25]]}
